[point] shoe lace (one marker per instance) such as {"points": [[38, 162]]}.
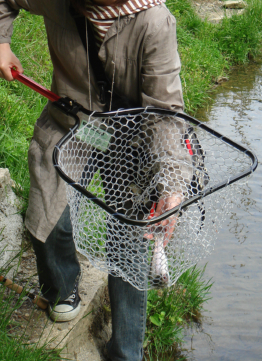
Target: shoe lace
{"points": [[72, 296]]}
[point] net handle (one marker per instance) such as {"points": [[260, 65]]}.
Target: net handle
{"points": [[35, 86]]}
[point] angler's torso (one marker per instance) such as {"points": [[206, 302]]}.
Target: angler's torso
{"points": [[121, 52], [146, 71]]}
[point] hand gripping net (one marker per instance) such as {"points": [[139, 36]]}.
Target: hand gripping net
{"points": [[122, 167]]}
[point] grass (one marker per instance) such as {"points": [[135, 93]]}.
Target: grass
{"points": [[170, 310], [239, 38], [14, 340], [208, 51], [20, 106]]}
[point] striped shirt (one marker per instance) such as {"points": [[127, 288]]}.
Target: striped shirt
{"points": [[102, 17]]}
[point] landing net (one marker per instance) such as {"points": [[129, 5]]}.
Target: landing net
{"points": [[134, 163]]}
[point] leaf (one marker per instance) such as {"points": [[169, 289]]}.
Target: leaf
{"points": [[155, 319]]}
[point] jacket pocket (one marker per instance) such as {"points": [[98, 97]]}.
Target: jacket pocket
{"points": [[39, 143], [41, 137]]}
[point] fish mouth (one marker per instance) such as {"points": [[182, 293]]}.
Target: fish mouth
{"points": [[160, 281]]}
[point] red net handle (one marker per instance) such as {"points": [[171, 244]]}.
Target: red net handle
{"points": [[35, 86]]}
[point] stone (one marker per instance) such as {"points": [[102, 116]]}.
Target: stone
{"points": [[234, 4], [214, 12], [11, 221], [216, 18]]}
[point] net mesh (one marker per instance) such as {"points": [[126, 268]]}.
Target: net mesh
{"points": [[142, 165]]}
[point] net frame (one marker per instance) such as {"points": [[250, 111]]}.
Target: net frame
{"points": [[142, 263], [71, 108]]}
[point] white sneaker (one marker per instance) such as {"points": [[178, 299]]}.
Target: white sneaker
{"points": [[67, 309]]}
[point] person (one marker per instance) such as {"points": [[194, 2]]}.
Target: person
{"points": [[137, 45]]}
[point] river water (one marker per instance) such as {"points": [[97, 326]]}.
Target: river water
{"points": [[231, 327]]}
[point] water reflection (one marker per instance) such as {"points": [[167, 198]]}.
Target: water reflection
{"points": [[232, 324]]}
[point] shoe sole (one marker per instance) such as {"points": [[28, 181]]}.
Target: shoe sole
{"points": [[63, 316]]}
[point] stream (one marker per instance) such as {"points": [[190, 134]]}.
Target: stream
{"points": [[231, 327]]}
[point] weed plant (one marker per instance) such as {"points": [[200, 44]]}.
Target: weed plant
{"points": [[170, 310], [14, 340], [239, 37]]}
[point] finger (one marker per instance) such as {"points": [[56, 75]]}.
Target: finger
{"points": [[155, 224], [169, 231], [160, 207], [167, 237], [6, 74], [6, 69], [18, 66], [165, 243], [170, 220], [148, 236]]}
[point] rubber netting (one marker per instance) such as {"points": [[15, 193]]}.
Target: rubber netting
{"points": [[138, 164]]}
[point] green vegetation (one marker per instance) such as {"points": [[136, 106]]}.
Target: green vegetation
{"points": [[207, 51], [20, 106], [170, 310], [14, 337]]}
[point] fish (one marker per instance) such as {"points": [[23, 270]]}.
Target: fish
{"points": [[159, 265]]}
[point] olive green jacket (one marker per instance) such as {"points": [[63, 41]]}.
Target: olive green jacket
{"points": [[142, 48]]}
